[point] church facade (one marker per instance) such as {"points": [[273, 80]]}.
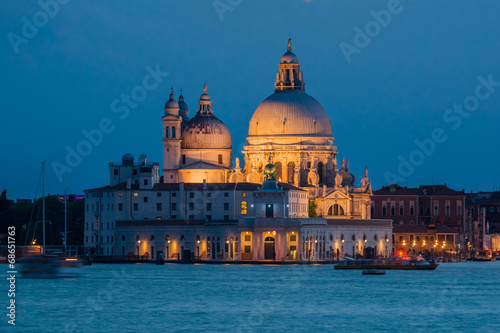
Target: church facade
{"points": [[202, 202]]}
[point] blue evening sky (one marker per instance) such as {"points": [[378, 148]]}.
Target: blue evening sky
{"points": [[63, 79]]}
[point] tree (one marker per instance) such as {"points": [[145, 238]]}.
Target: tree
{"points": [[312, 208]]}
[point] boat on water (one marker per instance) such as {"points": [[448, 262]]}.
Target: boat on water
{"points": [[51, 267], [484, 255], [405, 262], [373, 272]]}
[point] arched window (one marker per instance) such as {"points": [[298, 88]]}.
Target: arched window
{"points": [[243, 208], [411, 211], [401, 210], [291, 172], [167, 132], [321, 166], [173, 132], [123, 238], [336, 209], [411, 238], [279, 171], [137, 238]]}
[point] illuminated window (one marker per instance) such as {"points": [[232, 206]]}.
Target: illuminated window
{"points": [[244, 194], [243, 208], [248, 238], [136, 194], [120, 194]]}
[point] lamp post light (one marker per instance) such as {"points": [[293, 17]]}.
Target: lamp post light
{"points": [[274, 244]]}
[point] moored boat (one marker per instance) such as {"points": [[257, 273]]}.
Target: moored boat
{"points": [[405, 262], [484, 255]]}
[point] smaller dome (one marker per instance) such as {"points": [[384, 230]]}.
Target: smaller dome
{"points": [[205, 132], [128, 159], [289, 58], [182, 105], [269, 169], [171, 103], [347, 178]]}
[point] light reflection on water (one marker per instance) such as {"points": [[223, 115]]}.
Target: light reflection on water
{"points": [[247, 298]]}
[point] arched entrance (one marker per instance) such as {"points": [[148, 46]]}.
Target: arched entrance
{"points": [[269, 248]]}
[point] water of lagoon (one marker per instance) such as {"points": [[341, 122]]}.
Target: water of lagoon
{"points": [[255, 298]]}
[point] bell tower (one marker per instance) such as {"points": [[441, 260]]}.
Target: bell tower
{"points": [[171, 140]]}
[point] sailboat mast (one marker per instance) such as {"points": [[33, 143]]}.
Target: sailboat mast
{"points": [[65, 220], [43, 204]]}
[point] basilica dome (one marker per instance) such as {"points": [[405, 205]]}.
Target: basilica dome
{"points": [[290, 112], [206, 132]]}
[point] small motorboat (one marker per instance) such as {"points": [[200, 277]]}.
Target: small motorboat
{"points": [[373, 272], [51, 267]]}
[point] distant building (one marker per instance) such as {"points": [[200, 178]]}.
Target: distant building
{"points": [[432, 207], [482, 217], [415, 239]]}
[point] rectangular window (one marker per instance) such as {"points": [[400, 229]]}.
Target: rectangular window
{"points": [[108, 206], [293, 238], [191, 206], [244, 194], [113, 207], [86, 239], [145, 199], [158, 194], [145, 182], [120, 207], [209, 195], [191, 195], [492, 209], [136, 206], [174, 217], [209, 218], [120, 194], [220, 159], [226, 217], [174, 206], [209, 206], [116, 172], [158, 206], [183, 159], [135, 172], [136, 194], [248, 249], [226, 194], [248, 238], [158, 217], [226, 205], [191, 217], [174, 194]]}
